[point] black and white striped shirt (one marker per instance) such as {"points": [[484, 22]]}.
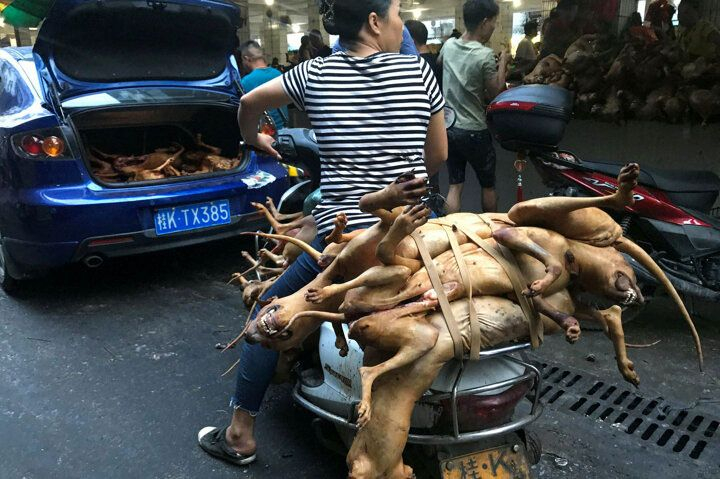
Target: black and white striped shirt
{"points": [[370, 116]]}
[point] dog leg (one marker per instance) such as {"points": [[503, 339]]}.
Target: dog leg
{"points": [[407, 222], [611, 321], [377, 449], [336, 234], [270, 204], [375, 276], [340, 339], [279, 228], [518, 240], [566, 321], [268, 256], [532, 211], [411, 336], [613, 318]]}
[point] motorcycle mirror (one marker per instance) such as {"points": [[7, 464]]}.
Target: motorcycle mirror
{"points": [[450, 117]]}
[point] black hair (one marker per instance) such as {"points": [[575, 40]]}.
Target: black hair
{"points": [[530, 27], [475, 11], [316, 38], [566, 5], [418, 31], [347, 17]]}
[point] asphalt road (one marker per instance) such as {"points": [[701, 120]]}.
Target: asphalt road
{"points": [[110, 373]]}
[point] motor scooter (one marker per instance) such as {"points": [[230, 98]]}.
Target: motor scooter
{"points": [[673, 217], [470, 423]]}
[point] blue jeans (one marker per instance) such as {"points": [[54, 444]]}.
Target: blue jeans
{"points": [[257, 364]]}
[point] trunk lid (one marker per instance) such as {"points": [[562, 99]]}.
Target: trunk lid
{"points": [[88, 47]]}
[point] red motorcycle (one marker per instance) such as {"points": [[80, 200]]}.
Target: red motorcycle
{"points": [[673, 217]]}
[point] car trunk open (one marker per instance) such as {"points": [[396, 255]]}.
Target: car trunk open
{"points": [[85, 47], [158, 143]]}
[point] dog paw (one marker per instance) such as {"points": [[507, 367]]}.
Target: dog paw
{"points": [[572, 334], [529, 292], [627, 369], [315, 296], [325, 260], [363, 414]]}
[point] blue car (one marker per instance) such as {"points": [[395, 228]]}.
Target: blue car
{"points": [[106, 83]]}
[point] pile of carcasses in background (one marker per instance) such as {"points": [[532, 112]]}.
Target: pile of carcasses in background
{"points": [[616, 81]]}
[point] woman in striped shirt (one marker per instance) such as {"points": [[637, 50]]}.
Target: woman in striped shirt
{"points": [[377, 115]]}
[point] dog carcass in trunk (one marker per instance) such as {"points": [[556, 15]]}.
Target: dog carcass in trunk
{"points": [[159, 143]]}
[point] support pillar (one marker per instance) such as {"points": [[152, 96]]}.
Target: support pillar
{"points": [[243, 32], [315, 20], [459, 23]]}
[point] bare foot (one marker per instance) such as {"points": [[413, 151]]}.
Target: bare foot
{"points": [[335, 236], [627, 180]]}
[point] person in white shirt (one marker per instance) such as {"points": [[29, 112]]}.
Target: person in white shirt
{"points": [[526, 55]]}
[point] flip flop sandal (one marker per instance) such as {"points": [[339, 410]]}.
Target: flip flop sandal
{"points": [[212, 440]]}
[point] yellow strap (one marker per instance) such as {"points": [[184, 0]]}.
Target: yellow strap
{"points": [[475, 332], [507, 260], [442, 297]]}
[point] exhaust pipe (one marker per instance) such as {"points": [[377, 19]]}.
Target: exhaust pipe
{"points": [[93, 261]]}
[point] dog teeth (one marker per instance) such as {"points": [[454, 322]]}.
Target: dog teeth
{"points": [[630, 297], [268, 330]]}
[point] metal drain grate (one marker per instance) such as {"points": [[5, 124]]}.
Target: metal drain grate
{"points": [[653, 420]]}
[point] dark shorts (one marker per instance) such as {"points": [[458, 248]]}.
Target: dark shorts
{"points": [[474, 147]]}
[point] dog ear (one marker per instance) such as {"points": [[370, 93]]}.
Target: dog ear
{"points": [[265, 302]]}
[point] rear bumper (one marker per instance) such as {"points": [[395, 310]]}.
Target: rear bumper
{"points": [[49, 227], [30, 258]]}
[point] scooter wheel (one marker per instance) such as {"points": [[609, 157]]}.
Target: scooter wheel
{"points": [[533, 447]]}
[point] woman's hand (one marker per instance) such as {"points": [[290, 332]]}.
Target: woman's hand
{"points": [[265, 144], [405, 191]]}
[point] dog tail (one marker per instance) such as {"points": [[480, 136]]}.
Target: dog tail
{"points": [[315, 254], [627, 246]]}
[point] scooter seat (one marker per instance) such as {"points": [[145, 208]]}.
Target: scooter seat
{"points": [[695, 189]]}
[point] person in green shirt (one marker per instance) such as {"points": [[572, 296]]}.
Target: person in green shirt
{"points": [[697, 36], [471, 76]]}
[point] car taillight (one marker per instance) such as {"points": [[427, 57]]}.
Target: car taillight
{"points": [[53, 146], [40, 144], [31, 144]]}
